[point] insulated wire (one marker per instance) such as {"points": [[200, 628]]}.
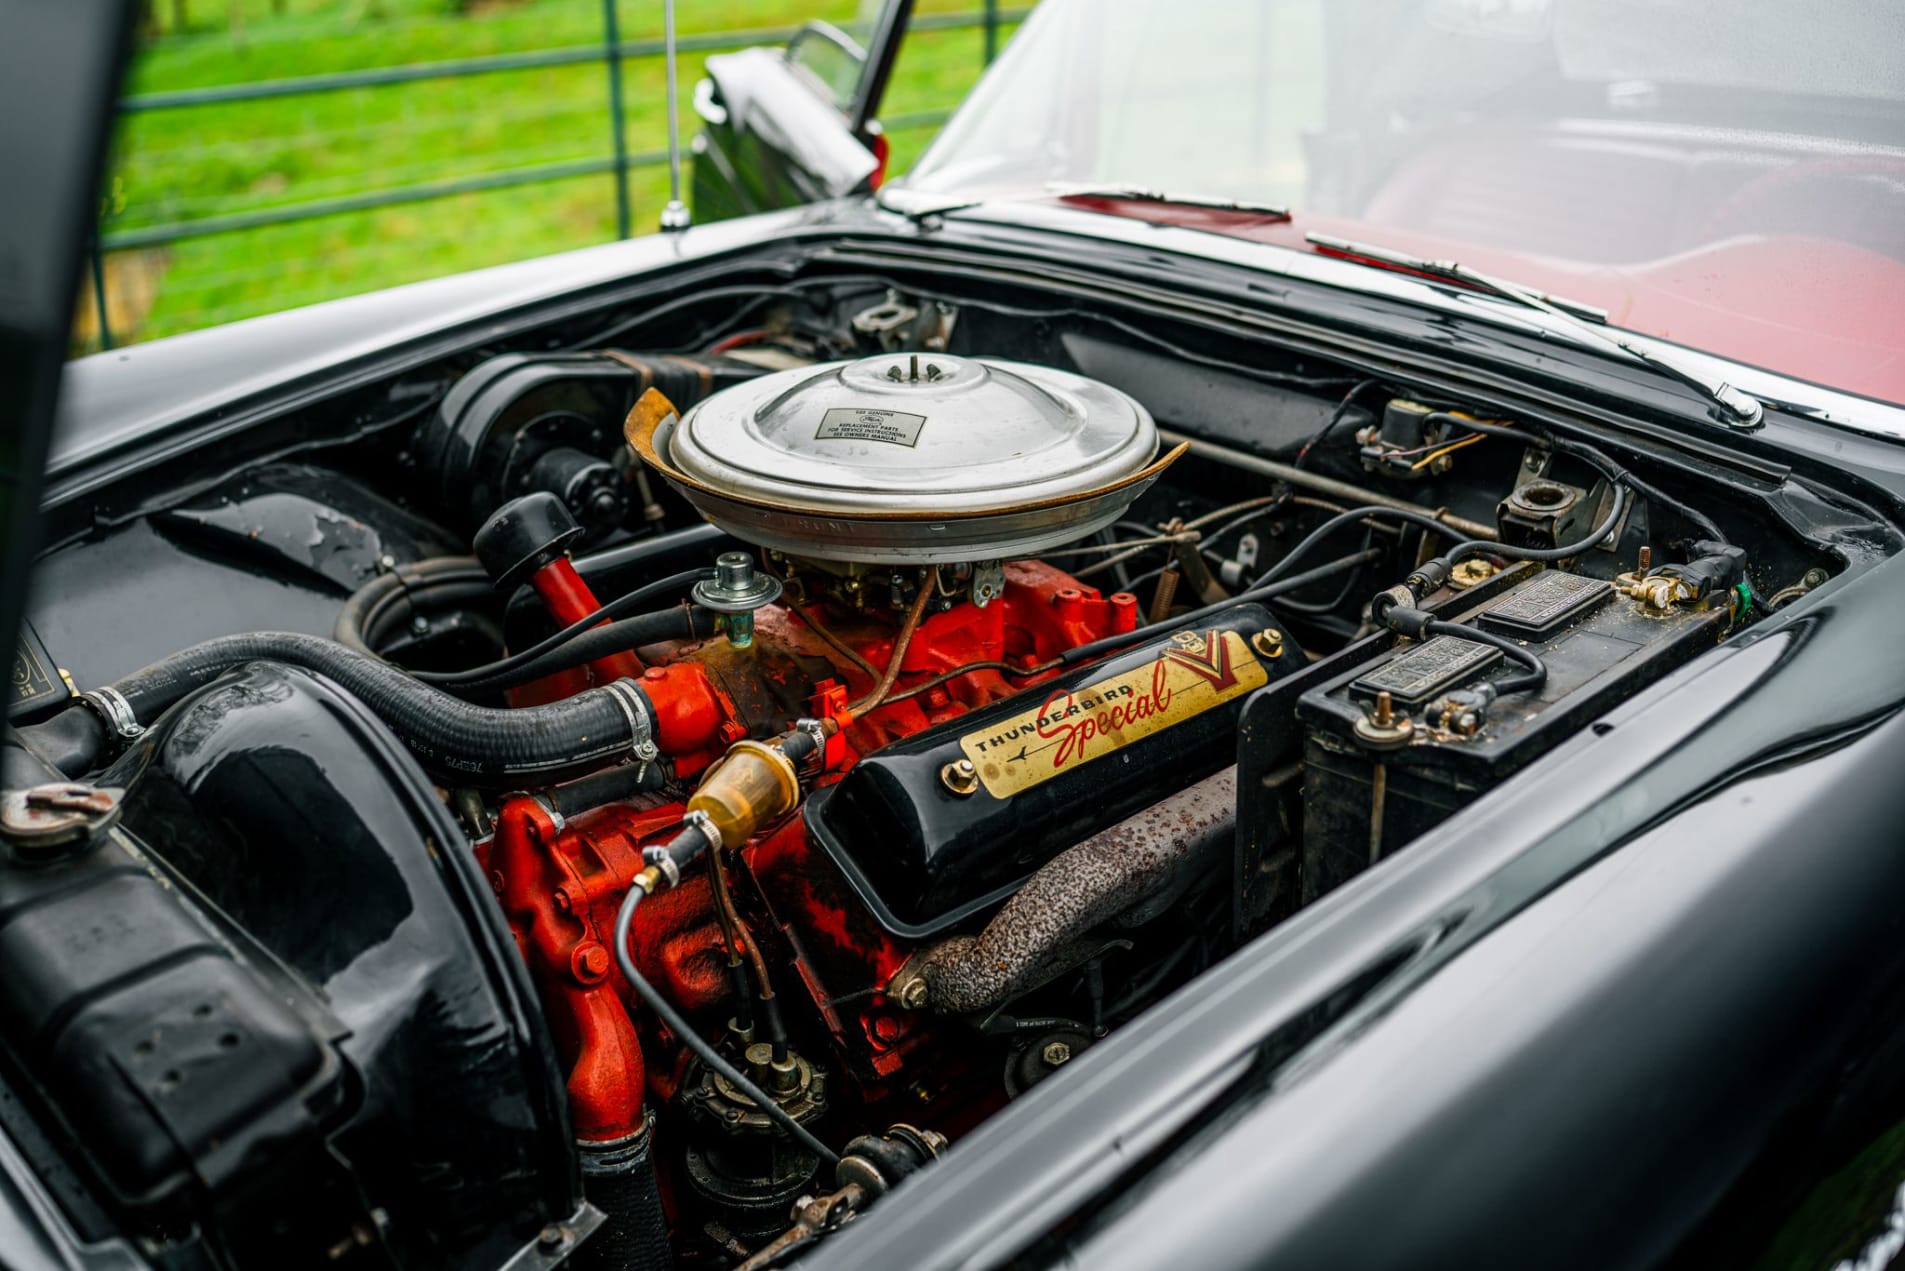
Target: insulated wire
{"points": [[1257, 592], [1336, 417], [1342, 596], [1534, 673], [616, 608], [1451, 448], [624, 924]]}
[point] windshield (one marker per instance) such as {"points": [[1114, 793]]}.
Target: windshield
{"points": [[1727, 174]]}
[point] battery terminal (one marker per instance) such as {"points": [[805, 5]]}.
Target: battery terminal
{"points": [[1383, 728]]}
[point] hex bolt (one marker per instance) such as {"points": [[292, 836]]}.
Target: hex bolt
{"points": [[1056, 1053], [590, 962], [912, 994], [1268, 642], [960, 777]]}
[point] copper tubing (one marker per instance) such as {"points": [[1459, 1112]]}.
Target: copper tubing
{"points": [[905, 638], [733, 927]]}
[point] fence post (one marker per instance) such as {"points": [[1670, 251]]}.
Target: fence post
{"points": [[613, 35], [992, 30], [99, 293]]}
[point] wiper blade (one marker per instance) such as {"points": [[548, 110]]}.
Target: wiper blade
{"points": [[1147, 194], [1458, 272], [1742, 409]]}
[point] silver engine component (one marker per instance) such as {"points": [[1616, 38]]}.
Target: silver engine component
{"points": [[911, 459]]}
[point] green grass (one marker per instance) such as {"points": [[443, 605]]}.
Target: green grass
{"points": [[196, 162]]}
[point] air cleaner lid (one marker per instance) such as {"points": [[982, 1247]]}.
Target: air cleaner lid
{"points": [[911, 457]]}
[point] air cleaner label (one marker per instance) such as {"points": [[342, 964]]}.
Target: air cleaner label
{"points": [[1191, 674], [860, 423]]}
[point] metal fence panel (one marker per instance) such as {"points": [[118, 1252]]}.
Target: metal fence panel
{"points": [[133, 228]]}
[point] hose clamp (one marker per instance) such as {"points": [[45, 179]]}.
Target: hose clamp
{"points": [[640, 715], [548, 805], [661, 860], [812, 766], [112, 707], [696, 819]]}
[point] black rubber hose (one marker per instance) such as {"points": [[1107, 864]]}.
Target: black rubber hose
{"points": [[620, 607], [442, 581], [474, 744], [611, 785], [619, 1179], [71, 741], [679, 623], [624, 923]]}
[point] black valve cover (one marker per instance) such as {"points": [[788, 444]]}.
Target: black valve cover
{"points": [[927, 843]]}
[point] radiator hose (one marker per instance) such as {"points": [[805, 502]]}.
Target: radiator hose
{"points": [[475, 745]]}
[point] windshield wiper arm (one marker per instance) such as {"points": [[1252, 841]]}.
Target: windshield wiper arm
{"points": [[1148, 194], [1741, 408]]}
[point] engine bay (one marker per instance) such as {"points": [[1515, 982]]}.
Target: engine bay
{"points": [[854, 702]]}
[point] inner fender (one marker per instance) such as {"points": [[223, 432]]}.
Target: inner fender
{"points": [[296, 812]]}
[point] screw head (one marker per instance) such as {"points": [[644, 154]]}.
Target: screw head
{"points": [[1056, 1053]]}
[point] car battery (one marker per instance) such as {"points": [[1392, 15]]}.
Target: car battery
{"points": [[1368, 790]]}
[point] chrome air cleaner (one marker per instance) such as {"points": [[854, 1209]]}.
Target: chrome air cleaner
{"points": [[908, 458]]}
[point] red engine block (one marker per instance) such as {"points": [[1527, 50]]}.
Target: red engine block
{"points": [[560, 884]]}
